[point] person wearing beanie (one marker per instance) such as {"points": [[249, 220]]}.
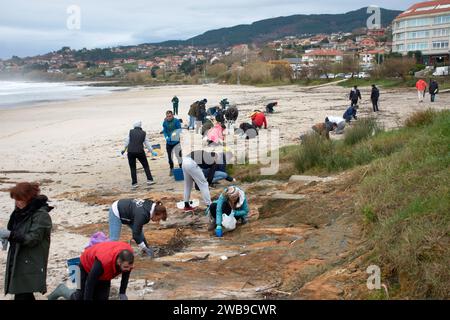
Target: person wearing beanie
{"points": [[232, 201], [135, 213], [135, 142]]}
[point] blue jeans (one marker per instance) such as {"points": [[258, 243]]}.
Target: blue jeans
{"points": [[218, 175], [192, 122], [115, 226]]}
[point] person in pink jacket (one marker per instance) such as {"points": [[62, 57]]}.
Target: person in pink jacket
{"points": [[215, 134]]}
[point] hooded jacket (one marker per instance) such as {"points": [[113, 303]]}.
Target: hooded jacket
{"points": [[240, 211], [26, 266]]}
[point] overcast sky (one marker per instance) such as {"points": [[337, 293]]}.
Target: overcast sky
{"points": [[30, 27]]}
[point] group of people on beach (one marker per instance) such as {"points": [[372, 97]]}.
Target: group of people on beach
{"points": [[28, 231]]}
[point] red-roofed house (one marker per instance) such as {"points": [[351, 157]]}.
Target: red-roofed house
{"points": [[321, 55], [424, 27]]}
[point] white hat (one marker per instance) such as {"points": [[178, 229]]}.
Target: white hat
{"points": [[137, 124]]}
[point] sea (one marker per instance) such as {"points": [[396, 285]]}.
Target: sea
{"points": [[17, 94]]}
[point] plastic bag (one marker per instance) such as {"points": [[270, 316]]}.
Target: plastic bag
{"points": [[229, 221], [96, 238]]}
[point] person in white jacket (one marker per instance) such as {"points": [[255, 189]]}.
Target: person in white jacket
{"points": [[339, 121]]}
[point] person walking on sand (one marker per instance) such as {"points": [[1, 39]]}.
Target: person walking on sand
{"points": [[193, 166], [355, 96], [135, 142], [99, 264], [175, 102], [28, 232], [434, 89], [421, 87], [374, 96], [171, 131], [135, 213]]}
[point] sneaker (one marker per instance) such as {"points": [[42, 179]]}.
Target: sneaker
{"points": [[134, 186], [188, 208], [150, 182]]}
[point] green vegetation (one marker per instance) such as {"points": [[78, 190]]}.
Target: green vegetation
{"points": [[404, 197], [385, 83]]}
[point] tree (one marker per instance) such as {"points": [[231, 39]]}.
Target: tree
{"points": [[153, 71], [397, 67], [187, 67], [281, 72]]}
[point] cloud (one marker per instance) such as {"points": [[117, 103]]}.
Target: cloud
{"points": [[32, 27]]}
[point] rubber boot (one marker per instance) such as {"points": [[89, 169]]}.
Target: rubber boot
{"points": [[61, 291]]}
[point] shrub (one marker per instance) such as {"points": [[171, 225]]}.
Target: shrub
{"points": [[314, 151], [361, 130], [420, 118]]}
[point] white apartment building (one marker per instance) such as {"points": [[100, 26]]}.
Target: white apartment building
{"points": [[424, 27]]}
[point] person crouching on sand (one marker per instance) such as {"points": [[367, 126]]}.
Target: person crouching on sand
{"points": [[100, 264], [135, 213]]}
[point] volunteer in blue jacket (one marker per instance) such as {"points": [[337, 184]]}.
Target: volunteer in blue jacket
{"points": [[232, 201], [171, 131], [350, 113]]}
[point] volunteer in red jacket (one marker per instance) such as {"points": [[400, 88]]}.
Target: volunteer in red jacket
{"points": [[259, 119], [99, 265]]}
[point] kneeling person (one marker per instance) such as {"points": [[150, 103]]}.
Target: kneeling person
{"points": [[232, 201], [99, 265]]}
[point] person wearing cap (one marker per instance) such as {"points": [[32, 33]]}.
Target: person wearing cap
{"points": [[175, 102], [259, 119], [135, 142], [171, 131], [99, 264], [270, 106], [232, 201], [135, 213]]}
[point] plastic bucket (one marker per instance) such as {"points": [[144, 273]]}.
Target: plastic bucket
{"points": [[178, 174], [74, 270]]}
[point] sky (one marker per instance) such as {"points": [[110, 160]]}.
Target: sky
{"points": [[31, 27]]}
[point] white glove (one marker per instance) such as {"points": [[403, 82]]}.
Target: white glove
{"points": [[4, 233]]}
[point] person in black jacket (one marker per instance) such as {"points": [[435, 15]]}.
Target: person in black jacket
{"points": [[433, 89], [28, 233], [354, 96], [135, 213], [135, 142], [270, 106], [374, 96]]}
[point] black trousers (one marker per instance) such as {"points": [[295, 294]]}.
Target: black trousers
{"points": [[354, 102], [175, 109], [143, 160], [375, 105], [101, 291], [226, 208], [174, 148], [24, 296]]}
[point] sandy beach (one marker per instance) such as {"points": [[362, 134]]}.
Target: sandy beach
{"points": [[73, 149]]}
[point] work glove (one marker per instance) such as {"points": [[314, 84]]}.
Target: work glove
{"points": [[219, 232], [148, 252], [4, 233], [123, 296]]}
